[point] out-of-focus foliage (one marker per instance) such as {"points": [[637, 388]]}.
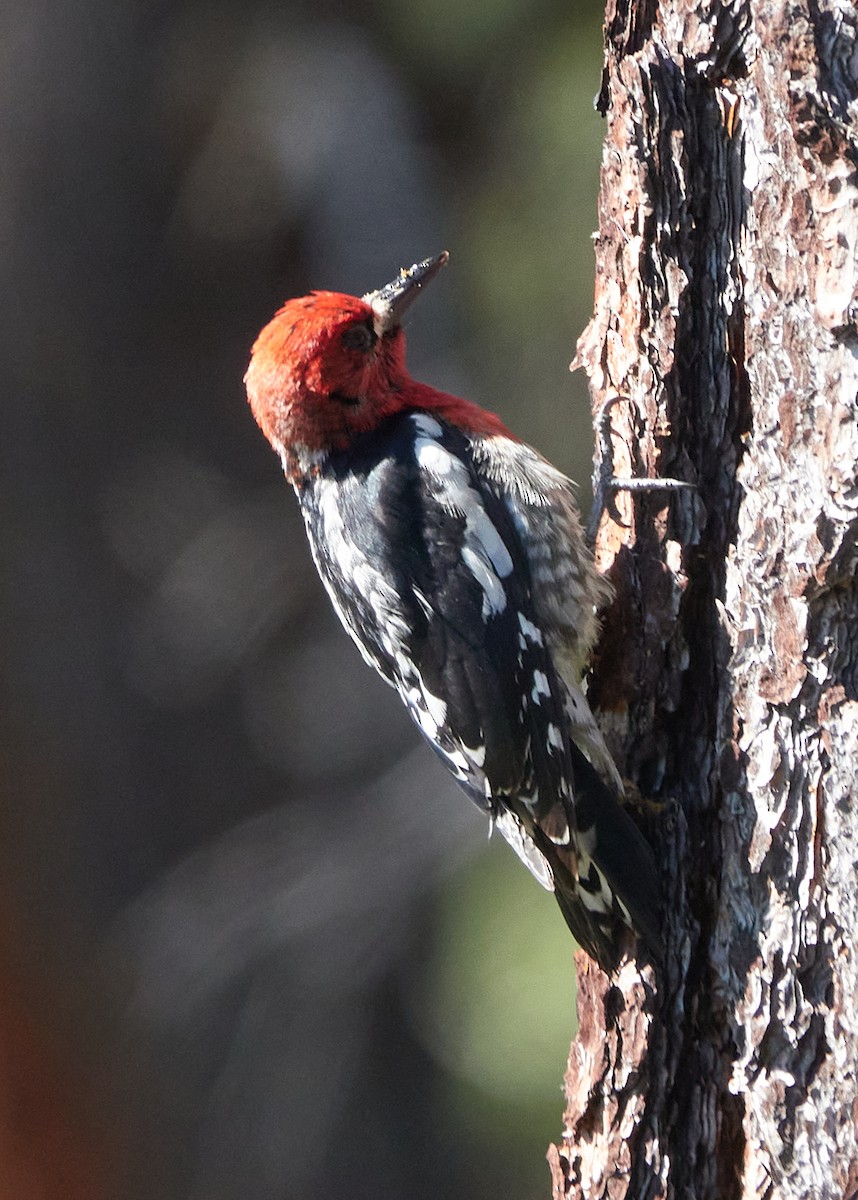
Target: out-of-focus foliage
{"points": [[259, 943], [496, 1003]]}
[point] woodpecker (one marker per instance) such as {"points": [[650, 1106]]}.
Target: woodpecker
{"points": [[454, 556]]}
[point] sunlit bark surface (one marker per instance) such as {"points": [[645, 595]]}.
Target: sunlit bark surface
{"points": [[725, 321]]}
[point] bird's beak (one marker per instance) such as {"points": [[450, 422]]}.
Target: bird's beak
{"points": [[390, 302]]}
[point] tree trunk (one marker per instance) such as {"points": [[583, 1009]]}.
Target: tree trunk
{"points": [[725, 322]]}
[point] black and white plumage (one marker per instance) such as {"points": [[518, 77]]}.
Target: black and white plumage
{"points": [[450, 561], [454, 556]]}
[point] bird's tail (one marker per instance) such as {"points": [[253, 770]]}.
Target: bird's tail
{"points": [[607, 883]]}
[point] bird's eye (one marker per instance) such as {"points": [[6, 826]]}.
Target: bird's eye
{"points": [[358, 337]]}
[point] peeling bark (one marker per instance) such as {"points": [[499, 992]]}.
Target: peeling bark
{"points": [[725, 319]]}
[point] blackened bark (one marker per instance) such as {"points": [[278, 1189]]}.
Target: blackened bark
{"points": [[726, 321]]}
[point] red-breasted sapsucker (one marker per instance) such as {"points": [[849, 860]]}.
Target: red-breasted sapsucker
{"points": [[454, 556]]}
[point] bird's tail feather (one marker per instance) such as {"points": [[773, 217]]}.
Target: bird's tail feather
{"points": [[608, 882]]}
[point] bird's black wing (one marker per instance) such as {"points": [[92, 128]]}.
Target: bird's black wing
{"points": [[427, 573]]}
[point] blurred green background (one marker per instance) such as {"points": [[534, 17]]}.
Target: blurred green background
{"points": [[263, 937]]}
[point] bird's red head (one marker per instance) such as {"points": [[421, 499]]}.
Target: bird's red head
{"points": [[329, 367]]}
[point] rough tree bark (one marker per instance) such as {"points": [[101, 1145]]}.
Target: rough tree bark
{"points": [[725, 321]]}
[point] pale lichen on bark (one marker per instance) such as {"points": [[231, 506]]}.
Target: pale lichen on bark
{"points": [[726, 304]]}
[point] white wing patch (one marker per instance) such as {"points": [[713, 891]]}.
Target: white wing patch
{"points": [[555, 741], [484, 552], [494, 597], [426, 425], [540, 686], [529, 633]]}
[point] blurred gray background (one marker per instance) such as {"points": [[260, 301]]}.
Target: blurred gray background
{"points": [[254, 944]]}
